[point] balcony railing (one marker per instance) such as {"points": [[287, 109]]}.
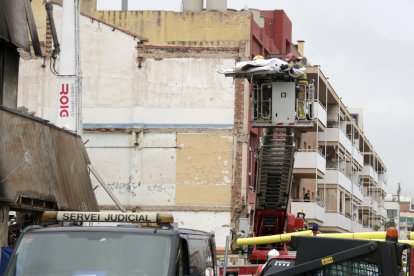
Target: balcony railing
{"points": [[368, 201], [357, 227], [336, 135], [358, 156], [338, 220], [369, 171], [314, 210], [310, 160], [382, 181], [383, 176], [320, 113], [333, 176], [357, 192], [382, 212]]}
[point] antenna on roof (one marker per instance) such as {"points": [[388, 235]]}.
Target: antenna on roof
{"points": [[398, 191]]}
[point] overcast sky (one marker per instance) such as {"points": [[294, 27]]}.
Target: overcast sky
{"points": [[366, 48]]}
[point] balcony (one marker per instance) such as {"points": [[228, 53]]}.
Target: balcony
{"points": [[358, 156], [333, 176], [382, 182], [369, 171], [357, 227], [368, 201], [338, 136], [309, 164], [382, 212], [320, 113], [357, 192], [313, 210], [338, 220]]}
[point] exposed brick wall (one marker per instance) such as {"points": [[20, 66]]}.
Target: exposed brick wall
{"points": [[49, 40], [237, 200], [152, 51]]}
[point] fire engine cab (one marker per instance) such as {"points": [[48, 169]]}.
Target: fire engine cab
{"points": [[144, 244]]}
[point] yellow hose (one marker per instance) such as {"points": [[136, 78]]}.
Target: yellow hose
{"points": [[272, 238], [357, 235]]}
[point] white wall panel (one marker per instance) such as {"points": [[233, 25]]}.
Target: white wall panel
{"points": [[217, 222], [185, 83], [159, 140], [139, 176], [109, 68], [158, 177], [179, 116]]}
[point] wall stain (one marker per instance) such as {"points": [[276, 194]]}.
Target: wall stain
{"points": [[124, 188], [159, 189]]}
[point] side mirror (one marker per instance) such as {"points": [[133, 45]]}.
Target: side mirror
{"points": [[209, 271]]}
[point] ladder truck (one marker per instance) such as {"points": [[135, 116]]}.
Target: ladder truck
{"points": [[275, 109]]}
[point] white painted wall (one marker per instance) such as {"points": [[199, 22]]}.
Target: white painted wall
{"points": [[139, 175], [216, 222], [108, 60], [174, 92]]}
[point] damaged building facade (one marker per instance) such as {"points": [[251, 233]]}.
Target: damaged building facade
{"points": [[163, 128]]}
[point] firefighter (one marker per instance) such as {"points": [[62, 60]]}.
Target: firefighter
{"points": [[301, 214], [296, 62], [272, 253], [258, 57]]}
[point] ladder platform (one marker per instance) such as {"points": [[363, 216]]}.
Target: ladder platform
{"points": [[262, 75], [297, 123]]}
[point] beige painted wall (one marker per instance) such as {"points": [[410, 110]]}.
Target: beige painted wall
{"points": [[204, 169], [179, 28]]}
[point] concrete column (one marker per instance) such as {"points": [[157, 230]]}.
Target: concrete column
{"points": [[301, 47]]}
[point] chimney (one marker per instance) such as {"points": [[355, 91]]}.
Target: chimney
{"points": [[301, 47], [216, 5], [124, 5]]}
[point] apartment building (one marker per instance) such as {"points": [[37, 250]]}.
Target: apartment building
{"points": [[400, 210], [337, 164]]}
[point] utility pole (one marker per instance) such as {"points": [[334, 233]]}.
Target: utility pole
{"points": [[399, 206]]}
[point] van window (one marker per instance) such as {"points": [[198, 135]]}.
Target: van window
{"points": [[201, 256]]}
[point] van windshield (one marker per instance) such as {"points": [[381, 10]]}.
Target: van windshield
{"points": [[91, 253]]}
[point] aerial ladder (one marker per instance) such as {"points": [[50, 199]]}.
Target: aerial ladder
{"points": [[281, 105]]}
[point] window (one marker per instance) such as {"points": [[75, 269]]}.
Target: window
{"points": [[392, 213], [341, 204], [331, 200], [201, 255]]}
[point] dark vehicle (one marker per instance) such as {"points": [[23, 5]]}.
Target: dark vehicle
{"points": [[335, 256], [113, 250]]}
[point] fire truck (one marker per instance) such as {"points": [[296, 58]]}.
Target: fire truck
{"points": [[124, 243], [364, 253], [281, 107]]}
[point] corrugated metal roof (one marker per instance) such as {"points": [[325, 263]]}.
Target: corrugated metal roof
{"points": [[42, 162], [16, 32], [15, 19]]}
